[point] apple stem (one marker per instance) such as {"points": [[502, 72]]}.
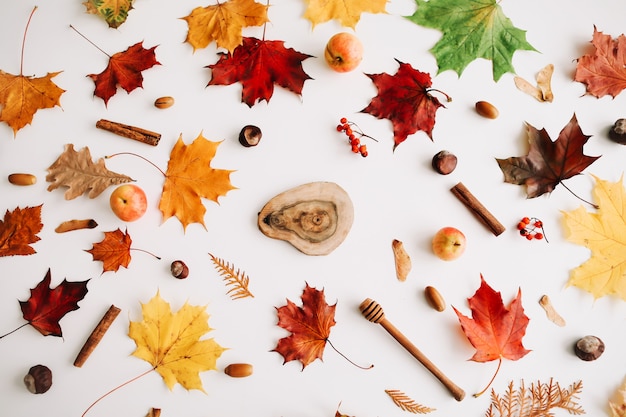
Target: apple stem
{"points": [[88, 40], [478, 394], [145, 251], [346, 358], [24, 40], [115, 389], [138, 156], [14, 330]]}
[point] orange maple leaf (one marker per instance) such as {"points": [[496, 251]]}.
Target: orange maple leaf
{"points": [[603, 72], [309, 326], [189, 178], [345, 12], [223, 23], [19, 229], [113, 250], [494, 330]]}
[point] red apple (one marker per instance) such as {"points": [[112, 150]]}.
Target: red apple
{"points": [[449, 243], [344, 52], [128, 202]]}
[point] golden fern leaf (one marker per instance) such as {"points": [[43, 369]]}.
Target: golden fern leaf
{"points": [[407, 404], [535, 401], [237, 279]]}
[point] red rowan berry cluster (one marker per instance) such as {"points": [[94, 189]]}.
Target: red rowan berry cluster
{"points": [[531, 228], [351, 130]]}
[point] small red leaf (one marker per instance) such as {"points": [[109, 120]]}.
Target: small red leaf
{"points": [[46, 306]]}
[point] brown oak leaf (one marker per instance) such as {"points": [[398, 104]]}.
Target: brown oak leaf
{"points": [[189, 178], [46, 305], [19, 230], [548, 163], [604, 71], [113, 250], [21, 97], [80, 174], [494, 330], [124, 70], [404, 99], [258, 65], [223, 23], [309, 326]]}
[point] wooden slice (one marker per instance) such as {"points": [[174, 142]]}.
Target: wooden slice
{"points": [[315, 217]]}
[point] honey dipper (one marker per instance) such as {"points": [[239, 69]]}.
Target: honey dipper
{"points": [[372, 311]]}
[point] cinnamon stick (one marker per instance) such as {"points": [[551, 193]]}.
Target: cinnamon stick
{"points": [[154, 412], [476, 207], [130, 132], [96, 335]]}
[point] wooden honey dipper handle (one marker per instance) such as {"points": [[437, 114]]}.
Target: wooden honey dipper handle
{"points": [[372, 311]]}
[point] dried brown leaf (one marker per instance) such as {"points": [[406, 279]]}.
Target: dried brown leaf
{"points": [[400, 399], [543, 90], [236, 279]]}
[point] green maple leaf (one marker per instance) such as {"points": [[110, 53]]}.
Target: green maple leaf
{"points": [[471, 29]]}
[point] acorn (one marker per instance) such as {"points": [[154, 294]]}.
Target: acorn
{"points": [[250, 135], [39, 379], [589, 348], [179, 269]]}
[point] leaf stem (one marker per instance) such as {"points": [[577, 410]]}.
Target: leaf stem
{"points": [[491, 381], [138, 156], [448, 98], [578, 197], [24, 40], [14, 330], [145, 251], [115, 389], [88, 40], [346, 358]]}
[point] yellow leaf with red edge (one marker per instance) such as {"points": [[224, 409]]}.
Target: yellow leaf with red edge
{"points": [[21, 97], [346, 12], [171, 343], [223, 23], [189, 178], [604, 233]]}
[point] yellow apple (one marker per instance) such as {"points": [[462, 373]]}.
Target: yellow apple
{"points": [[449, 243], [344, 52], [128, 202]]}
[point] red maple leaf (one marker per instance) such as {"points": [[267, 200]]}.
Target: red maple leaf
{"points": [[604, 71], [494, 330], [46, 306], [404, 98], [19, 230], [258, 65], [309, 326], [113, 250], [124, 70], [548, 163]]}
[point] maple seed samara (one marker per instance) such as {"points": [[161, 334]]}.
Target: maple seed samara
{"points": [[128, 202], [344, 52], [449, 243]]}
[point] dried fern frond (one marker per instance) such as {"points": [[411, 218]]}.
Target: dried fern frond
{"points": [[236, 279], [407, 404], [535, 401]]}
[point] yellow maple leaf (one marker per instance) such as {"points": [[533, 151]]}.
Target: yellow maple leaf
{"points": [[223, 23], [604, 233], [171, 343], [346, 12], [190, 177], [22, 96]]}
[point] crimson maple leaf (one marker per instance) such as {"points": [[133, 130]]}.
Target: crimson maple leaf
{"points": [[309, 326], [548, 163], [604, 71], [404, 99], [46, 306], [494, 330], [19, 230], [113, 250], [258, 65], [124, 70]]}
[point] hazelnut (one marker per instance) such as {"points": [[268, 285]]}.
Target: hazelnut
{"points": [[589, 348], [444, 162], [250, 135], [618, 132], [179, 269], [39, 379]]}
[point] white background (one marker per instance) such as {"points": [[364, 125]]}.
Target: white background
{"points": [[396, 195]]}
